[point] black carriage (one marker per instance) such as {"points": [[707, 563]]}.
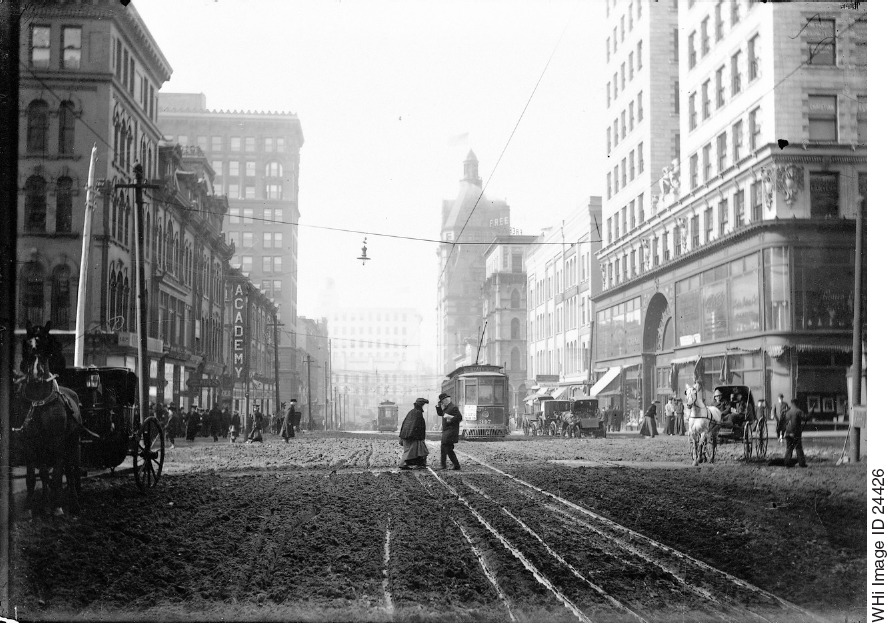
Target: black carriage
{"points": [[585, 418], [481, 393], [115, 430], [387, 420], [739, 420]]}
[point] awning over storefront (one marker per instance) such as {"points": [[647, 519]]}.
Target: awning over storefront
{"points": [[604, 381], [560, 391], [824, 348], [543, 391], [680, 360]]}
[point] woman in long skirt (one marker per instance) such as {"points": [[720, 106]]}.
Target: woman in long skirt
{"points": [[412, 437], [648, 427]]}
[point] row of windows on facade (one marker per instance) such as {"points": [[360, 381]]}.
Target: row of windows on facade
{"points": [[270, 264], [38, 133], [71, 56], [824, 203], [614, 135], [33, 295], [246, 240], [379, 317], [705, 41], [628, 170], [572, 314], [35, 190], [248, 216], [368, 331], [631, 69], [174, 325], [124, 150], [236, 143], [630, 12], [571, 359], [575, 271], [753, 73], [272, 169], [175, 255], [248, 191]]}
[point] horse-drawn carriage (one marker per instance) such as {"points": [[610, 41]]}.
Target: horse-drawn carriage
{"points": [[546, 417], [566, 418], [585, 418], [733, 417], [78, 418]]}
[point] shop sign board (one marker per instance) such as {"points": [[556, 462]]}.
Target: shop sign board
{"points": [[241, 341]]}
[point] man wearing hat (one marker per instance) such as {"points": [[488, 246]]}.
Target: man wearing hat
{"points": [[680, 424], [412, 437], [291, 421], [449, 432], [669, 416]]}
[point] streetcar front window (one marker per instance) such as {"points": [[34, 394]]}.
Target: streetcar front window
{"points": [[471, 391], [491, 392]]}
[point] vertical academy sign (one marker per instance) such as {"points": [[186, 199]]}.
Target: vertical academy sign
{"points": [[241, 362]]}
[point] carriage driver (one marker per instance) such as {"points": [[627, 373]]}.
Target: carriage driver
{"points": [[732, 412]]}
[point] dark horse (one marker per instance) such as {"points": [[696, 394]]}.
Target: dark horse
{"points": [[48, 420]]}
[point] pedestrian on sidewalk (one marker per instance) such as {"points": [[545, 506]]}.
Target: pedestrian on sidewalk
{"points": [[215, 422], [172, 425], [449, 435], [680, 424], [258, 423], [289, 421], [780, 409], [669, 416], [794, 426], [412, 437]]}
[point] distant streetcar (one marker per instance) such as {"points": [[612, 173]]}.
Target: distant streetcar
{"points": [[481, 393], [387, 421]]}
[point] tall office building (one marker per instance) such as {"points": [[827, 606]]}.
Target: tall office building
{"points": [[742, 271], [474, 221], [256, 159]]}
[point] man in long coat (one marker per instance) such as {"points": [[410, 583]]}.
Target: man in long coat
{"points": [[449, 435], [794, 426], [412, 437], [289, 421], [680, 424]]}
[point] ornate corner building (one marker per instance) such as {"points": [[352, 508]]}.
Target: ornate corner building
{"points": [[729, 258]]}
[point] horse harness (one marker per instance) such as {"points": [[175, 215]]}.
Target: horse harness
{"points": [[54, 395]]}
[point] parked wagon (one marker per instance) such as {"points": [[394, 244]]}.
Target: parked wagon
{"points": [[109, 408]]}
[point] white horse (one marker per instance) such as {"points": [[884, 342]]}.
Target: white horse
{"points": [[704, 424]]}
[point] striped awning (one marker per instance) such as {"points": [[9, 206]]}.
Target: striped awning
{"points": [[604, 381]]}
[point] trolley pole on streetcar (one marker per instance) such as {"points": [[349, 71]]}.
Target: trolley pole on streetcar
{"points": [[141, 293]]}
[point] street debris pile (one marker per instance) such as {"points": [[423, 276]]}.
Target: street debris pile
{"points": [[326, 528]]}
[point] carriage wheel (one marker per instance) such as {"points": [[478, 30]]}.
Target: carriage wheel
{"points": [[747, 441], [761, 440], [148, 453]]}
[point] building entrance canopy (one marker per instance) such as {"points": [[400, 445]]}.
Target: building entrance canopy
{"points": [[605, 381], [560, 391]]}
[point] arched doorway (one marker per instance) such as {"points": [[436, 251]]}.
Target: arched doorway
{"points": [[658, 337]]}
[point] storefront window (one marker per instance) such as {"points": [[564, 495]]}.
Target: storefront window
{"points": [[619, 329], [746, 369], [776, 289], [824, 289], [744, 300], [714, 310], [688, 306]]}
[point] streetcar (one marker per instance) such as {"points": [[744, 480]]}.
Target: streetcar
{"points": [[387, 420], [480, 392]]}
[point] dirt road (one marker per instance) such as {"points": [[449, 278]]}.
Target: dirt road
{"points": [[530, 530]]}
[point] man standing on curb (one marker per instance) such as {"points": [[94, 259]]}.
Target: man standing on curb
{"points": [[793, 426], [449, 432]]}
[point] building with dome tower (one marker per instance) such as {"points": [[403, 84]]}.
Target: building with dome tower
{"points": [[469, 223]]}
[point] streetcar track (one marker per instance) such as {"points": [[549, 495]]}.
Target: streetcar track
{"points": [[529, 566], [486, 569], [386, 558], [652, 542]]}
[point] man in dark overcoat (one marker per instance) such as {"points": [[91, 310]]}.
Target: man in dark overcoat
{"points": [[794, 426], [449, 432], [215, 421], [289, 421]]}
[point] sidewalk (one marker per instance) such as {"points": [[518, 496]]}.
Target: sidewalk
{"points": [[771, 431]]}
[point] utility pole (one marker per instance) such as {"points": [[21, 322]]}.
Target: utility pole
{"points": [[82, 289], [141, 293], [10, 24], [276, 367], [310, 423]]}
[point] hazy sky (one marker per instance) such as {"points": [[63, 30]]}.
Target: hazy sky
{"points": [[381, 89]]}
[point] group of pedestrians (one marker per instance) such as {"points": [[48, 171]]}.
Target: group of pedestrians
{"points": [[215, 422], [412, 434]]}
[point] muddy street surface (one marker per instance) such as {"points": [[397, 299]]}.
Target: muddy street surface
{"points": [[326, 528]]}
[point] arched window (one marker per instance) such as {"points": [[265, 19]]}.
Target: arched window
{"points": [[32, 293], [121, 299], [273, 169], [515, 329], [35, 204], [61, 298], [167, 253], [63, 204], [117, 141], [176, 264], [38, 126], [66, 128], [129, 141], [515, 299]]}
